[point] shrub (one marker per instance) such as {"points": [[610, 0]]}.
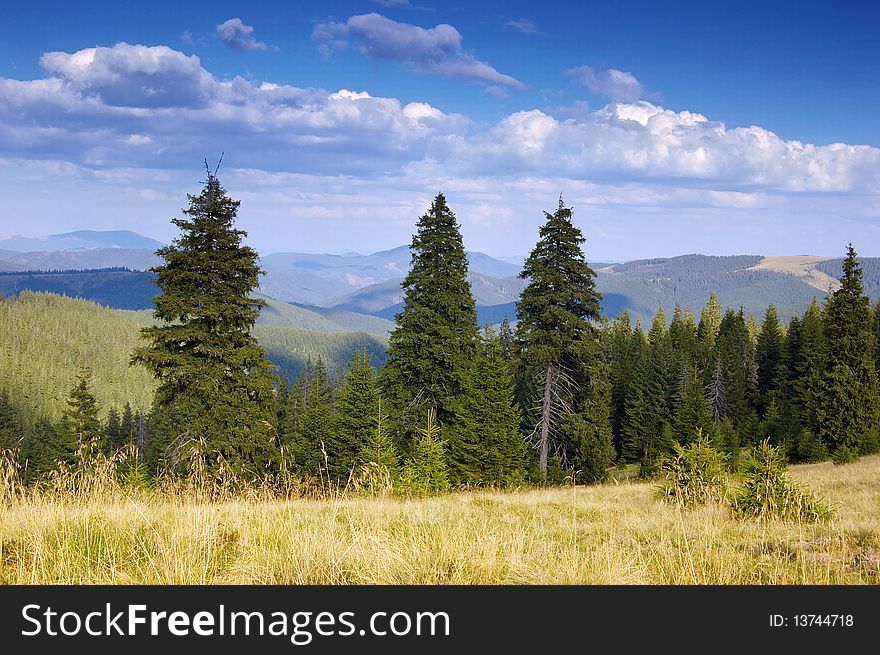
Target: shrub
{"points": [[694, 475], [767, 492]]}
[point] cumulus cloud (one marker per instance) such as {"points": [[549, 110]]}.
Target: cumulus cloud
{"points": [[524, 25], [135, 105], [238, 36], [614, 84], [131, 75], [114, 106], [433, 50]]}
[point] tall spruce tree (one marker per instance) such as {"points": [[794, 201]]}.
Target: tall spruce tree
{"points": [[307, 436], [556, 311], [80, 430], [357, 406], [484, 443], [710, 323], [769, 356], [847, 411], [432, 345], [209, 366], [693, 413]]}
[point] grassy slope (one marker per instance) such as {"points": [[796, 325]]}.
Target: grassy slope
{"points": [[614, 533]]}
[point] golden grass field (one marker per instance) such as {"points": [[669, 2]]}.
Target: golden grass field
{"points": [[616, 533]]}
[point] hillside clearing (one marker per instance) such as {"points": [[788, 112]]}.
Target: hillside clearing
{"points": [[801, 266]]}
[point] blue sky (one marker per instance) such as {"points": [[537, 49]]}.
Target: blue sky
{"points": [[670, 127]]}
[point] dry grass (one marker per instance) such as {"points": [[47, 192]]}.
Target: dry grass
{"points": [[616, 533], [802, 266]]}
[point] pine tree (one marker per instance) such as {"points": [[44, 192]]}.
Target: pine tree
{"points": [[309, 433], [622, 351], [710, 323], [555, 312], [877, 337], [693, 414], [127, 427], [683, 338], [10, 426], [717, 394], [507, 338], [734, 346], [847, 399], [431, 347], [80, 429], [113, 431], [209, 365], [484, 444], [425, 473], [356, 409], [590, 428], [769, 357], [378, 449]]}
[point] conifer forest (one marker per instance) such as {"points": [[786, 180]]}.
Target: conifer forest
{"points": [[703, 407]]}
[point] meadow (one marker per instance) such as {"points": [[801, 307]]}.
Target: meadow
{"points": [[615, 533]]}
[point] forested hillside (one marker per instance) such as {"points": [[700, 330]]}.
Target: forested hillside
{"points": [[46, 340]]}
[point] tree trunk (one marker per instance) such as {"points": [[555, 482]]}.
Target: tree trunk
{"points": [[545, 421]]}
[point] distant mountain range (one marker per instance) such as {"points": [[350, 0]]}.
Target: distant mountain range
{"points": [[353, 292], [80, 240]]}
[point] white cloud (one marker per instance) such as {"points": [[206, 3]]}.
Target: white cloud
{"points": [[131, 75], [524, 25], [238, 36], [433, 50], [131, 106], [612, 83]]}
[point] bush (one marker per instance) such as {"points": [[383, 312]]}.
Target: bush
{"points": [[767, 492], [694, 475]]}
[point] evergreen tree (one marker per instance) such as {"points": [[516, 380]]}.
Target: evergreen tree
{"points": [[431, 347], [769, 357], [425, 473], [484, 444], [623, 348], [717, 394], [683, 338], [693, 414], [847, 408], [209, 366], [734, 346], [378, 449], [590, 428], [127, 427], [877, 337], [10, 428], [507, 339], [556, 312], [80, 429], [356, 409], [710, 323], [308, 435], [113, 431]]}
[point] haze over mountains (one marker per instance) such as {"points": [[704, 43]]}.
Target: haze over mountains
{"points": [[335, 293]]}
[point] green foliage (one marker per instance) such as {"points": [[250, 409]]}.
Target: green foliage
{"points": [[557, 311], [80, 428], [768, 356], [309, 425], [846, 395], [378, 469], [484, 445], [425, 473], [693, 412], [694, 475], [357, 406], [767, 493], [209, 366], [589, 430], [47, 340], [431, 348]]}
